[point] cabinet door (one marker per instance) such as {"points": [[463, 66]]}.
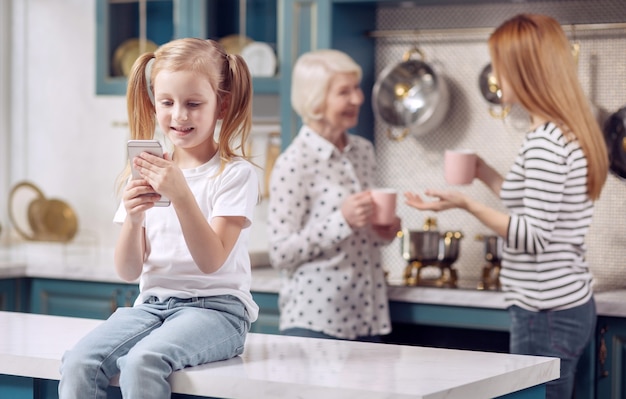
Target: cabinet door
{"points": [[120, 23], [611, 363], [80, 298], [124, 29], [7, 294], [254, 20]]}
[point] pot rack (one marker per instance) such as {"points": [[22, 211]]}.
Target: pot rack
{"points": [[574, 29]]}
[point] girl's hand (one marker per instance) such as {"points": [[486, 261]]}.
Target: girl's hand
{"points": [[357, 209], [138, 196], [446, 200], [162, 174]]}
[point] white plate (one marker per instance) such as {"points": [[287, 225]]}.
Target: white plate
{"points": [[260, 58]]}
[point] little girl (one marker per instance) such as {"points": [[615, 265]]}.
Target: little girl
{"points": [[191, 258]]}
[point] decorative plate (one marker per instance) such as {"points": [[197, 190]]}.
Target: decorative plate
{"points": [[127, 53], [20, 198], [233, 44], [260, 58], [39, 219]]}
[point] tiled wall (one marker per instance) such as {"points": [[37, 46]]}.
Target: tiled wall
{"points": [[415, 163]]}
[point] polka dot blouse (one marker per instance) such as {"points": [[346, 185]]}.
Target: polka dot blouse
{"points": [[332, 277]]}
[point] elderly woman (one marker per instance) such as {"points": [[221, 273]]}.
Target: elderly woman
{"points": [[550, 191], [319, 224]]}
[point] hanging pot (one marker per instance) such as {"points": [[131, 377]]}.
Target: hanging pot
{"points": [[410, 96], [615, 137], [491, 91]]}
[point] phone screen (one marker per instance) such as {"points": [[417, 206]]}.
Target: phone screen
{"points": [[136, 147]]}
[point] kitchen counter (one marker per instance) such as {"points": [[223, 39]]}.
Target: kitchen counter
{"points": [[274, 366], [610, 303], [57, 261]]}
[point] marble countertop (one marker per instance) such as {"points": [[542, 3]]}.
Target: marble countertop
{"points": [[274, 366], [53, 260]]}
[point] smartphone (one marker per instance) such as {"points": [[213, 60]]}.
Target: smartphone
{"points": [[136, 147]]}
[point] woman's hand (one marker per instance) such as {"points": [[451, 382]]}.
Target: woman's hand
{"points": [[445, 200], [388, 232], [357, 209]]}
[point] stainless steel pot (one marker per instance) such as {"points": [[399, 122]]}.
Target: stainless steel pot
{"points": [[449, 246], [493, 247], [430, 246], [419, 245], [410, 96]]}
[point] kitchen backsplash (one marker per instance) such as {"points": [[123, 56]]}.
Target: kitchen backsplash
{"points": [[415, 163]]}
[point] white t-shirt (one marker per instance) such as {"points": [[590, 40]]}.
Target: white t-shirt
{"points": [[169, 270]]}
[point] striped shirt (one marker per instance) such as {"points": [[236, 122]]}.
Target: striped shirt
{"points": [[543, 262]]}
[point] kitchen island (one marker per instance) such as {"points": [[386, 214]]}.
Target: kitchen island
{"points": [[80, 282], [274, 366]]}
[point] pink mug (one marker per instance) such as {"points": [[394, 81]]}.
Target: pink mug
{"points": [[460, 166], [384, 206]]}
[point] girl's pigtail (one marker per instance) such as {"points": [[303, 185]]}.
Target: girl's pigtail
{"points": [[139, 99], [140, 107], [238, 118]]}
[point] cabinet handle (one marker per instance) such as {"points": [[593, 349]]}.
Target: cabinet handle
{"points": [[114, 301], [43, 296], [130, 296], [602, 352]]}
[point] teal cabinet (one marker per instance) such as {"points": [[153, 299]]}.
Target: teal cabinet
{"points": [[611, 358], [13, 295], [97, 300], [7, 294], [601, 371], [121, 23], [87, 299], [267, 322]]}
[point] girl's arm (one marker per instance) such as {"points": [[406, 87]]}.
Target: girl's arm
{"points": [[130, 249], [209, 244]]}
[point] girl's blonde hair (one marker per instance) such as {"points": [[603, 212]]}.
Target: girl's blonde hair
{"points": [[311, 77], [532, 53], [228, 74]]}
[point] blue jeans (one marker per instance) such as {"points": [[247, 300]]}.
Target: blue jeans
{"points": [[561, 333], [146, 343]]}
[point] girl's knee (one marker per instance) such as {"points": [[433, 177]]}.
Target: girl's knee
{"points": [[136, 361]]}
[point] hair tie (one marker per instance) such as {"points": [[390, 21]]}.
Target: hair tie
{"points": [[148, 72]]}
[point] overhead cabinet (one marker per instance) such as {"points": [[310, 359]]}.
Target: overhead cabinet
{"points": [[127, 28]]}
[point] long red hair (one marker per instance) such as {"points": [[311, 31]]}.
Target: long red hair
{"points": [[533, 54]]}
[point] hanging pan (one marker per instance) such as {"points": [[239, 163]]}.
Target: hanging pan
{"points": [[410, 96], [491, 91], [615, 136]]}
